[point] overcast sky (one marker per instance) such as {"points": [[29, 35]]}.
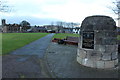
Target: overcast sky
{"points": [[41, 12]]}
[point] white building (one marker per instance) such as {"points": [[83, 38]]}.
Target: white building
{"points": [[76, 30]]}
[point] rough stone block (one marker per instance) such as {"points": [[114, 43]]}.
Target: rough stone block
{"points": [[79, 44], [89, 53], [94, 55], [99, 34], [114, 55], [106, 56], [116, 62], [110, 34], [82, 53], [111, 48], [99, 28], [109, 64], [100, 48], [79, 60], [100, 64], [88, 62], [78, 51], [98, 41], [109, 41], [88, 28]]}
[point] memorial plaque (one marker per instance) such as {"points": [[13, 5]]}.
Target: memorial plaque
{"points": [[88, 39]]}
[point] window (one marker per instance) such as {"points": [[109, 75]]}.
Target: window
{"points": [[88, 39]]}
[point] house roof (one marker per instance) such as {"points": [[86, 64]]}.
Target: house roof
{"points": [[40, 28]]}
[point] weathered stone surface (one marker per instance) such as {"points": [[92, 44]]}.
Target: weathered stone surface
{"points": [[99, 23], [105, 40], [109, 41], [116, 62], [98, 41], [100, 64], [109, 64], [100, 48], [110, 34], [78, 52], [79, 45], [106, 56], [89, 63], [79, 60], [82, 53], [94, 55], [111, 48], [114, 55], [105, 33], [99, 33]]}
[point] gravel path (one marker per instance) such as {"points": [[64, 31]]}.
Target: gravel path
{"points": [[28, 61], [62, 63]]}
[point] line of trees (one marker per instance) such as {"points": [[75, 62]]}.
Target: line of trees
{"points": [[65, 24], [4, 7], [116, 10]]}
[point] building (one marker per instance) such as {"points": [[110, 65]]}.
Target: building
{"points": [[67, 30], [10, 28], [38, 29], [71, 30], [54, 28], [76, 30], [0, 28]]}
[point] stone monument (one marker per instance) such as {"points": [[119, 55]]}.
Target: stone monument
{"points": [[97, 47]]}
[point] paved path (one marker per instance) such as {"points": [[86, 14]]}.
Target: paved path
{"points": [[37, 48], [27, 61], [62, 63]]}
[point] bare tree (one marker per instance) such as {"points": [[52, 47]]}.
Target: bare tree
{"points": [[3, 6], [68, 24], [117, 8], [52, 23], [60, 25]]}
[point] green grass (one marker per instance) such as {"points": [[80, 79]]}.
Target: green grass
{"points": [[63, 35], [118, 37], [13, 41]]}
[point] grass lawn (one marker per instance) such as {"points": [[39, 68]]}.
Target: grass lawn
{"points": [[13, 41], [63, 35]]}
